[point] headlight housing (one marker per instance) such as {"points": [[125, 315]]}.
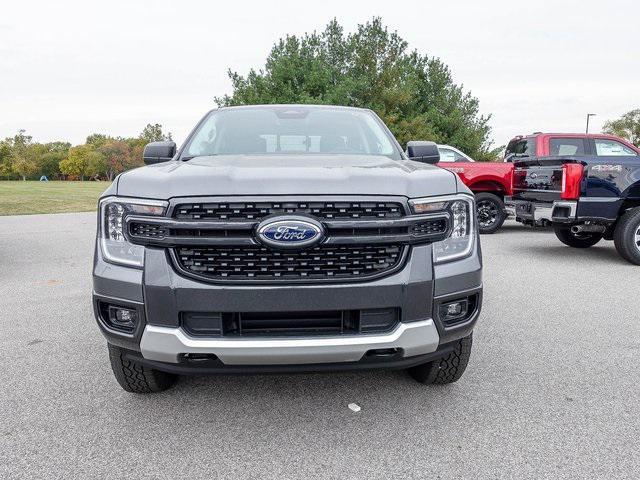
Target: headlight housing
{"points": [[113, 244], [462, 234]]}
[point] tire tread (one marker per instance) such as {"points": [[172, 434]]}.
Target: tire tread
{"points": [[447, 369], [624, 234], [134, 377]]}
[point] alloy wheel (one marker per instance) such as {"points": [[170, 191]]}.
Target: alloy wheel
{"points": [[487, 213]]}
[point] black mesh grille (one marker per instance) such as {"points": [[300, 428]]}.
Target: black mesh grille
{"points": [[429, 227], [259, 210], [260, 263], [147, 230]]}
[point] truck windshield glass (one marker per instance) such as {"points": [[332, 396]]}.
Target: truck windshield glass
{"points": [[291, 130]]}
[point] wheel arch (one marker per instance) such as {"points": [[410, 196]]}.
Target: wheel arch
{"points": [[488, 186]]}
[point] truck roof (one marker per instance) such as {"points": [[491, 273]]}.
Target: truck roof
{"points": [[561, 134]]}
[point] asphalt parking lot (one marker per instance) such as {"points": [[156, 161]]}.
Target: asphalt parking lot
{"points": [[551, 390]]}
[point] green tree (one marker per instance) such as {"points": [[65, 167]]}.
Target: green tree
{"points": [[23, 155], [96, 140], [6, 158], [49, 163], [154, 133], [97, 164], [627, 126], [50, 156], [372, 68], [24, 166], [117, 156], [77, 162]]}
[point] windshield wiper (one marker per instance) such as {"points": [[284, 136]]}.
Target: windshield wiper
{"points": [[191, 157]]}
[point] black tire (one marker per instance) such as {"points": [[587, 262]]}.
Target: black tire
{"points": [[135, 377], [626, 236], [447, 369], [491, 212], [576, 240]]}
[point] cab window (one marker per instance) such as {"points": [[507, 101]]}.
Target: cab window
{"points": [[448, 155], [611, 148], [525, 147], [566, 146]]}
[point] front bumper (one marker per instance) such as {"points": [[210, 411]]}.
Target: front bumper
{"points": [[168, 344], [159, 294], [536, 213]]}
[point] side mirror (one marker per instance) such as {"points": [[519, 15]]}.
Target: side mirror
{"points": [[158, 152], [425, 152]]}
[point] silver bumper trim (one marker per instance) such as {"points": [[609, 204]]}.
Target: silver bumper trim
{"points": [[540, 211], [546, 213], [166, 344]]}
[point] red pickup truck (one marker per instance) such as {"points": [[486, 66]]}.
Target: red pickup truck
{"points": [[489, 181], [559, 144]]}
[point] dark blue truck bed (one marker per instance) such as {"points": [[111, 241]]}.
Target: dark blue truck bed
{"points": [[585, 198]]}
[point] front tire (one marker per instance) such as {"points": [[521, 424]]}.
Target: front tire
{"points": [[447, 369], [136, 378], [576, 240], [491, 212], [626, 236]]}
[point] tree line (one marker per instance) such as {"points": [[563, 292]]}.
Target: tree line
{"points": [[100, 157]]}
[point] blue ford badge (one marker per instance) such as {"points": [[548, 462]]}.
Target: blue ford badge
{"points": [[290, 232]]}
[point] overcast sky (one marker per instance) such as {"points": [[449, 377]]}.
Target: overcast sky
{"points": [[69, 67]]}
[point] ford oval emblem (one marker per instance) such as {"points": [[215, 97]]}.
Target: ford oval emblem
{"points": [[290, 232]]}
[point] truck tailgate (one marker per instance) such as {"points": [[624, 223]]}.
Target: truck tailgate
{"points": [[540, 179]]}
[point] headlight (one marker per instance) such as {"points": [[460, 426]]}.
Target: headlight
{"points": [[114, 246], [461, 209]]}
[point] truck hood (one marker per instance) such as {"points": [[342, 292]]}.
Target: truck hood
{"points": [[287, 175]]}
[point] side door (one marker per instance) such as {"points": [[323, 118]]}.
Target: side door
{"points": [[613, 171], [455, 162]]}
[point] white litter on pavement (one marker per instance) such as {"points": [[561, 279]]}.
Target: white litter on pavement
{"points": [[354, 407]]}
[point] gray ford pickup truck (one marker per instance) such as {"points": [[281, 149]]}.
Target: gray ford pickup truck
{"points": [[287, 238]]}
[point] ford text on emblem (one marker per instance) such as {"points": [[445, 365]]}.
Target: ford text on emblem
{"points": [[290, 232]]}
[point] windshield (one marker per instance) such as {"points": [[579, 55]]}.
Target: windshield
{"points": [[291, 130]]}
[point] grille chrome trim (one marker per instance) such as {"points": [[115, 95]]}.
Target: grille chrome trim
{"points": [[182, 232]]}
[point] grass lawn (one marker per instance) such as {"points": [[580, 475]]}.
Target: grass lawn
{"points": [[20, 198]]}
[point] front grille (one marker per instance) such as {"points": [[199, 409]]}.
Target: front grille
{"points": [[259, 210], [215, 239], [260, 263]]}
